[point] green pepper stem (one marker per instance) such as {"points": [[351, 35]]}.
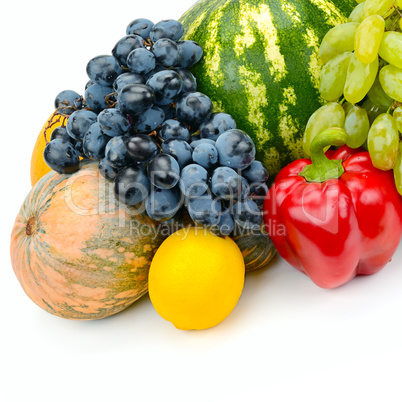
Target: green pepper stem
{"points": [[322, 168]]}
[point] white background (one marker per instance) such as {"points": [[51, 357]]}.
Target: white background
{"points": [[286, 340]]}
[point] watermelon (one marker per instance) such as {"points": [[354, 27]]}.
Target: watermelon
{"points": [[261, 65]]}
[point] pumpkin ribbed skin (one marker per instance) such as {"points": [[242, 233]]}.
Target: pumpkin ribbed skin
{"points": [[76, 251], [261, 65], [257, 249]]}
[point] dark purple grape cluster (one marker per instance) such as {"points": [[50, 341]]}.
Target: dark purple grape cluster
{"points": [[158, 139]]}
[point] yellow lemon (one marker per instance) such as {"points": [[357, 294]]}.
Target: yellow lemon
{"points": [[38, 166], [196, 278]]}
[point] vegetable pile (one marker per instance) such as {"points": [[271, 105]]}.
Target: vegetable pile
{"points": [[152, 184]]}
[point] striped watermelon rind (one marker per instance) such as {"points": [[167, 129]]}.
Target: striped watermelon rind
{"points": [[261, 65]]}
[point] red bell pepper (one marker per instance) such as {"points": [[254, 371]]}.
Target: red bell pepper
{"points": [[334, 216]]}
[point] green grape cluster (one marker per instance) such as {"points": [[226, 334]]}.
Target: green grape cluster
{"points": [[361, 80]]}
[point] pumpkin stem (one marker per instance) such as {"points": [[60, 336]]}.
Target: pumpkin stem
{"points": [[31, 226]]}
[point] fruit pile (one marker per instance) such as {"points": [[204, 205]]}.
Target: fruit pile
{"points": [[362, 82], [144, 130], [156, 137]]}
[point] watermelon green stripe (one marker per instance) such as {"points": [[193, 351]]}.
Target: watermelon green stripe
{"points": [[291, 12], [331, 12], [261, 65]]}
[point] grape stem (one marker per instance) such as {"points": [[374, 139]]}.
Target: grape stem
{"points": [[65, 106], [322, 168], [158, 139], [148, 43], [51, 122], [109, 102], [397, 9], [395, 15]]}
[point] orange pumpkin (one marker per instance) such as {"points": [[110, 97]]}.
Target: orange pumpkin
{"points": [[76, 251]]}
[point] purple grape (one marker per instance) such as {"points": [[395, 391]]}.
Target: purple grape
{"points": [[166, 52], [79, 122], [236, 149], [126, 45], [95, 96], [103, 70], [205, 155], [194, 108], [162, 205], [94, 142], [140, 26], [131, 185], [205, 210], [141, 61], [194, 180], [174, 130], [141, 148], [170, 29], [226, 183], [190, 53], [163, 171], [134, 99], [61, 156], [217, 124], [180, 150]]}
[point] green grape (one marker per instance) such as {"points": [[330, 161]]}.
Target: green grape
{"points": [[383, 142], [391, 48], [378, 96], [360, 1], [368, 38], [357, 126], [379, 7], [373, 111], [359, 79], [398, 170], [327, 116], [357, 14], [346, 107], [337, 40], [333, 76], [391, 81], [397, 116]]}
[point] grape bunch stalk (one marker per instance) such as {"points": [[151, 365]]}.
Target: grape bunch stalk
{"points": [[156, 137], [361, 80]]}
